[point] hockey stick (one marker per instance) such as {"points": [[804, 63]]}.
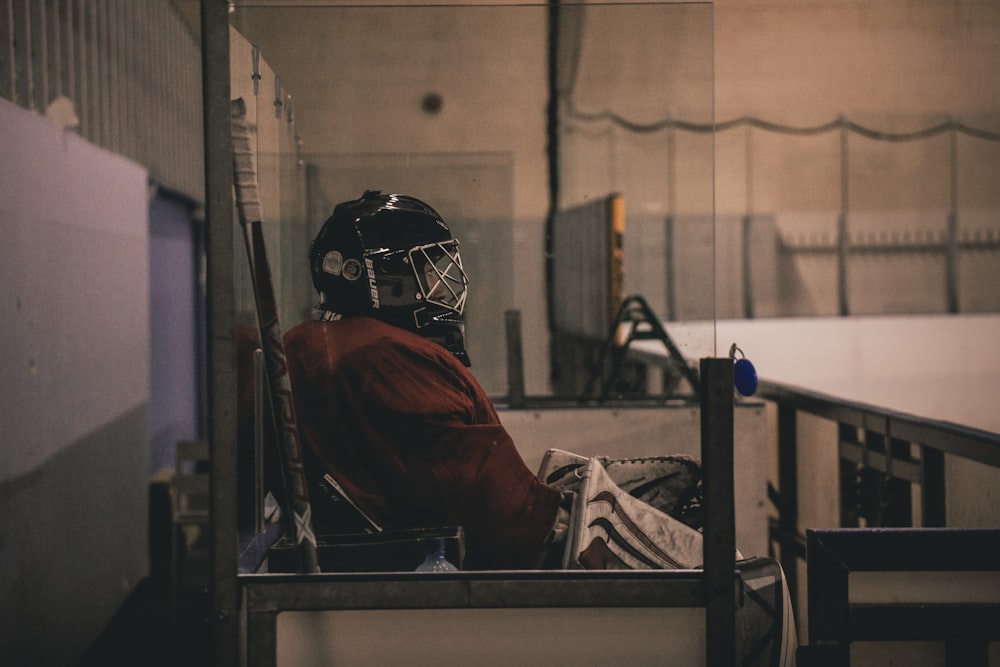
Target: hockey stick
{"points": [[248, 202], [272, 344]]}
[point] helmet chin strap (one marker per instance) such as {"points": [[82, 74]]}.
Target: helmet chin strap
{"points": [[444, 328], [450, 336], [456, 349]]}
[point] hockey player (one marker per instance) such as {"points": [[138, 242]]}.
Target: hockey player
{"points": [[388, 409], [385, 403]]}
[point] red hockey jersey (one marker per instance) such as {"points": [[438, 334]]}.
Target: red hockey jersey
{"points": [[414, 439]]}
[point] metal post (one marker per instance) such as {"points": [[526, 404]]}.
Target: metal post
{"points": [[748, 225], [515, 360], [951, 263], [717, 418], [747, 267], [671, 225], [842, 239], [671, 269], [932, 488], [552, 151], [262, 639], [900, 491], [221, 319], [849, 475], [788, 489]]}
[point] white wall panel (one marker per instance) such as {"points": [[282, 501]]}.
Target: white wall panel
{"points": [[74, 320]]}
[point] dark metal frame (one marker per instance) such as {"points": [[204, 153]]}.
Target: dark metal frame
{"points": [[883, 453], [267, 595], [719, 532], [836, 621], [222, 391]]}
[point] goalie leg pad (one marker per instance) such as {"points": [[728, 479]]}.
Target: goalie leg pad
{"points": [[671, 484], [610, 529]]}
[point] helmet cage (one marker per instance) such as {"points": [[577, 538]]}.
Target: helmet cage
{"points": [[440, 276]]}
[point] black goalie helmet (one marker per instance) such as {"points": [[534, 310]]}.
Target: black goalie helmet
{"points": [[392, 257]]}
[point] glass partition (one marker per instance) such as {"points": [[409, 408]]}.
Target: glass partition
{"points": [[506, 119], [635, 93], [570, 149], [569, 146]]}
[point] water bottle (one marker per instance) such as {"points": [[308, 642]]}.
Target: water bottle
{"points": [[434, 558]]}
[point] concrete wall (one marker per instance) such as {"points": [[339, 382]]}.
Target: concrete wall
{"points": [[74, 322], [897, 66]]}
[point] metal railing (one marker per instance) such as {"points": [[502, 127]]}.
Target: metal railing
{"points": [[883, 455]]}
